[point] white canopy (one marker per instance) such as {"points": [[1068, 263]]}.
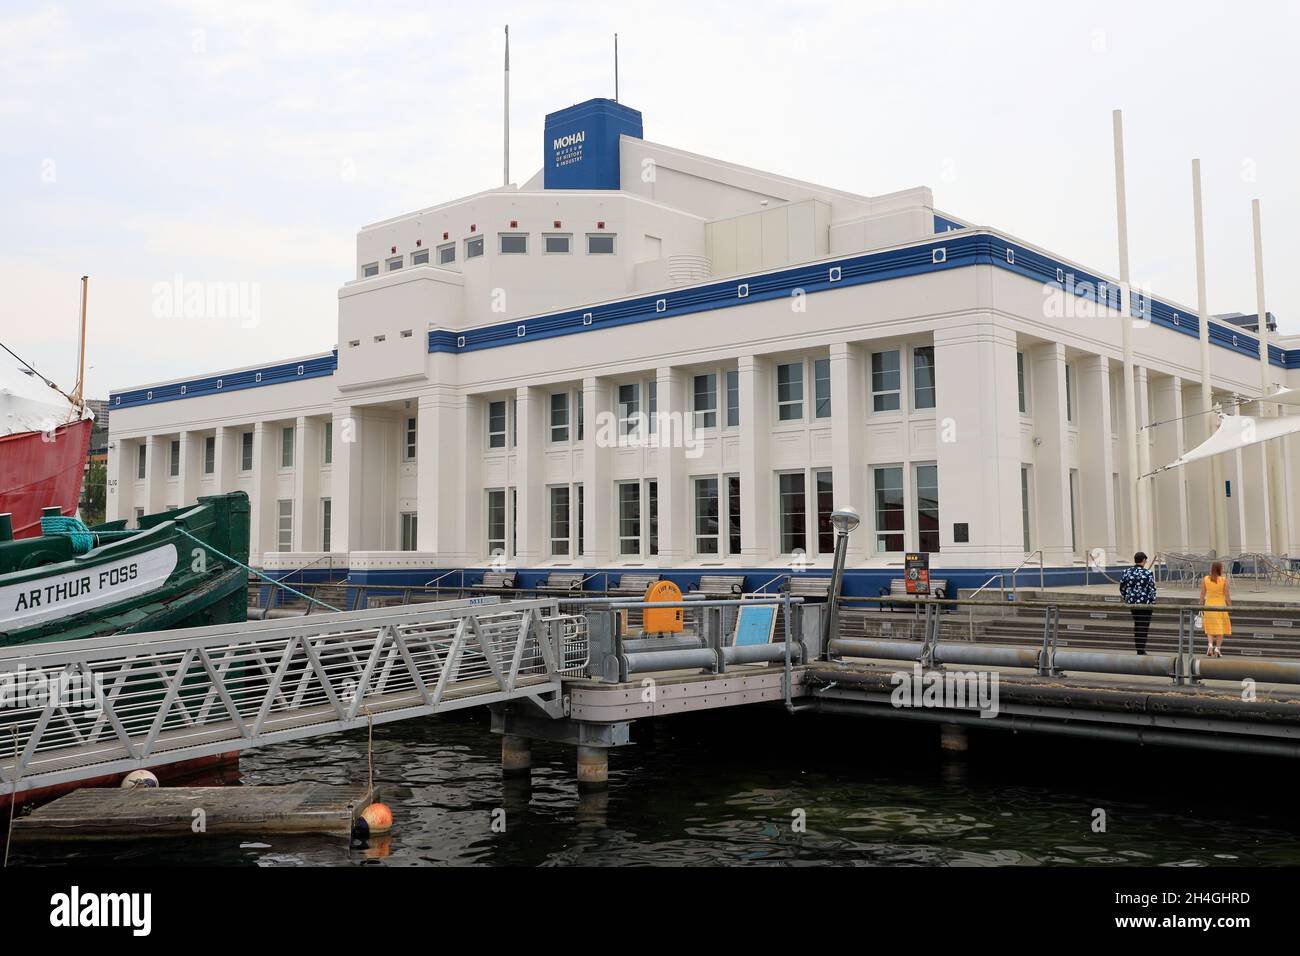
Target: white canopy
{"points": [[27, 404], [1239, 431]]}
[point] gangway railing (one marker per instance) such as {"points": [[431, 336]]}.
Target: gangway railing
{"points": [[77, 710]]}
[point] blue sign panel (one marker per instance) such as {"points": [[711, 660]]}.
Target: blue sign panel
{"points": [[581, 144], [754, 625]]}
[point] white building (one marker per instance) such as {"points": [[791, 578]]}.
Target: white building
{"points": [[514, 368]]}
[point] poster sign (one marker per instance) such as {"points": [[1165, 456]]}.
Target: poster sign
{"points": [[755, 625], [916, 572]]}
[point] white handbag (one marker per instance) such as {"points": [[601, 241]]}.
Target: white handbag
{"points": [[1198, 622]]}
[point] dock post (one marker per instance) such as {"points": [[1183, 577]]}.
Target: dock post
{"points": [[593, 767], [952, 738], [516, 755]]}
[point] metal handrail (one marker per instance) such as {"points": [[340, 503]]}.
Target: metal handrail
{"points": [[1003, 576]]}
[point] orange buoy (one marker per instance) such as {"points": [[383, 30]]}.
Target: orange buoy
{"points": [[666, 620], [378, 817]]}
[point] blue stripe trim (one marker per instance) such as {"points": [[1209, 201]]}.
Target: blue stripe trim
{"points": [[953, 250]]}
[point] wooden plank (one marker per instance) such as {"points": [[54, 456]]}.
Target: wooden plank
{"points": [[113, 813]]}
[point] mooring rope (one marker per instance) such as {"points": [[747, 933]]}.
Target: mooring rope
{"points": [[254, 571], [83, 539]]}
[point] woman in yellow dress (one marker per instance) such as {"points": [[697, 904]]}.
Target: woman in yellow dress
{"points": [[1214, 593]]}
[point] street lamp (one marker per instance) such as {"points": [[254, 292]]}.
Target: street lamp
{"points": [[845, 520]]}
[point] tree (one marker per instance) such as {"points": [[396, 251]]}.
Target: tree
{"points": [[93, 493]]}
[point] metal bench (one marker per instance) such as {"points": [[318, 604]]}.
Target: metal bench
{"points": [[808, 587], [719, 586], [898, 589], [562, 582], [634, 584]]}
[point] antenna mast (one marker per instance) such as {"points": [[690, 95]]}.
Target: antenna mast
{"points": [[506, 181], [615, 67]]}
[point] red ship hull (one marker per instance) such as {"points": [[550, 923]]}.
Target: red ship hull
{"points": [[37, 472]]}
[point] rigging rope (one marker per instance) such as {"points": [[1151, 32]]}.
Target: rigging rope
{"points": [[254, 571]]}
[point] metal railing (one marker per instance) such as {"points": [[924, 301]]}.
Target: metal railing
{"points": [[156, 698]]}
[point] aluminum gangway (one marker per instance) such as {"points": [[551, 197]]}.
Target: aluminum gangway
{"points": [[79, 710]]}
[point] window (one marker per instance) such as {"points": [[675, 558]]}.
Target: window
{"points": [[1069, 395], [556, 243], [629, 517], [514, 521], [329, 443], [652, 405], [286, 447], [560, 520], [410, 530], [447, 254], [513, 243], [706, 401], [822, 388], [884, 381], [369, 270], [412, 431], [1025, 510], [706, 515], [889, 508], [825, 505], [629, 408], [560, 416], [652, 508], [733, 399], [420, 257], [789, 392], [733, 514], [496, 521], [139, 513], [514, 422], [326, 519], [582, 404], [496, 424], [581, 525], [927, 508], [600, 245], [923, 376], [141, 461], [246, 451], [209, 455], [474, 247], [1020, 382], [394, 263], [794, 527], [284, 525], [174, 459]]}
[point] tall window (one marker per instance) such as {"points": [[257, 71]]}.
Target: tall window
{"points": [[789, 392], [559, 416], [923, 376], [582, 527], [412, 431], [822, 387], [927, 508], [885, 381], [1025, 510], [497, 424], [794, 523], [706, 515], [174, 460], [141, 461], [652, 509], [1074, 509], [1069, 394], [733, 399], [560, 520], [514, 521], [629, 517], [209, 454], [328, 436], [409, 530], [582, 416], [284, 525], [246, 451], [889, 508], [1020, 382], [286, 447], [496, 521], [705, 402], [326, 520], [733, 514], [629, 409], [652, 405], [825, 505]]}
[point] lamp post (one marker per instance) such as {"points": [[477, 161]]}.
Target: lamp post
{"points": [[845, 520]]}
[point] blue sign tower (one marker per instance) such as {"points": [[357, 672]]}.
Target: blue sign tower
{"points": [[581, 144]]}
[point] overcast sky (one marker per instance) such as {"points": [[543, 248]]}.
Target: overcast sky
{"points": [[244, 142]]}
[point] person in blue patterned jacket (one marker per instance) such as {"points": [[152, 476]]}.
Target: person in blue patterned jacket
{"points": [[1137, 585]]}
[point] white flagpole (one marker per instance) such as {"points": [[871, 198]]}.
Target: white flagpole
{"points": [[1216, 520], [1263, 370], [1137, 517], [506, 181]]}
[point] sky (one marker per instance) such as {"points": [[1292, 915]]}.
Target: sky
{"points": [[158, 145]]}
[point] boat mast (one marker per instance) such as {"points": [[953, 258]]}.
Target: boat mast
{"points": [[79, 391]]}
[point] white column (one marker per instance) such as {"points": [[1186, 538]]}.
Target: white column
{"points": [[441, 499], [598, 438], [190, 465], [1097, 503], [155, 475], [534, 511], [306, 474], [757, 400], [849, 439], [1198, 480], [120, 475], [262, 509], [1051, 453], [979, 470], [676, 509], [345, 480], [1170, 488]]}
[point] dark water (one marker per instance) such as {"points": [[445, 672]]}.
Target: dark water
{"points": [[721, 788]]}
